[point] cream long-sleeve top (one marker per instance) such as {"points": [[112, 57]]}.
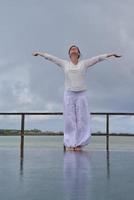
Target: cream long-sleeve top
{"points": [[75, 74]]}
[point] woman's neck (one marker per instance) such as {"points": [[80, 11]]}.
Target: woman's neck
{"points": [[74, 60]]}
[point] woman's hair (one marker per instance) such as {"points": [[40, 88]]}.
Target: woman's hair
{"points": [[77, 48]]}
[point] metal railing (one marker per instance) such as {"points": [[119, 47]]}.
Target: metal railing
{"points": [[23, 114]]}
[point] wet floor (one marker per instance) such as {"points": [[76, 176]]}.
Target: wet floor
{"points": [[51, 173]]}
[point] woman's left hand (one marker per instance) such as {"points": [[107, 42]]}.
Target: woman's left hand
{"points": [[117, 56], [113, 54]]}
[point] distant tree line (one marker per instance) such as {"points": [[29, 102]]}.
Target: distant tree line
{"points": [[10, 132]]}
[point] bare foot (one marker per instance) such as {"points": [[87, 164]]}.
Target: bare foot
{"points": [[78, 148], [70, 148]]}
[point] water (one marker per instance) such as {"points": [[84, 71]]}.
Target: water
{"points": [[117, 143], [47, 172]]}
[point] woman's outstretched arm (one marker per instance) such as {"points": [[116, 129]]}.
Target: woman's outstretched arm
{"points": [[60, 62], [91, 61]]}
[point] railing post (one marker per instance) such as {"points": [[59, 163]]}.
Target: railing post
{"points": [[107, 132], [22, 135]]}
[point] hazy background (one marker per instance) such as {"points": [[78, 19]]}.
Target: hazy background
{"points": [[30, 83]]}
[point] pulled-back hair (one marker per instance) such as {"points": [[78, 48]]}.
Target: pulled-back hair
{"points": [[77, 48]]}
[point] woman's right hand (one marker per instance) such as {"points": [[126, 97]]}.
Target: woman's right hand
{"points": [[35, 53]]}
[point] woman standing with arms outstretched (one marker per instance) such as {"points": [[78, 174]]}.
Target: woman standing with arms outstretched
{"points": [[77, 119]]}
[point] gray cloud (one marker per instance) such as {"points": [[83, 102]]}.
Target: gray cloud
{"points": [[35, 84]]}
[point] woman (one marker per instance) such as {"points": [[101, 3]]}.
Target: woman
{"points": [[77, 121]]}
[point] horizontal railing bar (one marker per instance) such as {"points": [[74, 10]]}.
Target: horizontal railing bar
{"points": [[32, 113], [112, 113], [61, 113]]}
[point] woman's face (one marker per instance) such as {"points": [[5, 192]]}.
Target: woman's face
{"points": [[74, 51]]}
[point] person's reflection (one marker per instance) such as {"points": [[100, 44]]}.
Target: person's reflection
{"points": [[77, 174]]}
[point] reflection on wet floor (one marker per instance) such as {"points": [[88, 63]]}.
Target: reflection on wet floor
{"points": [[77, 174], [55, 174]]}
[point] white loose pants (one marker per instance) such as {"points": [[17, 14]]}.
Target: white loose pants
{"points": [[77, 119]]}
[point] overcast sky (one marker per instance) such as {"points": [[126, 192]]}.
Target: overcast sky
{"points": [[30, 83]]}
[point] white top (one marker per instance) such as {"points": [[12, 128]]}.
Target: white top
{"points": [[75, 75]]}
